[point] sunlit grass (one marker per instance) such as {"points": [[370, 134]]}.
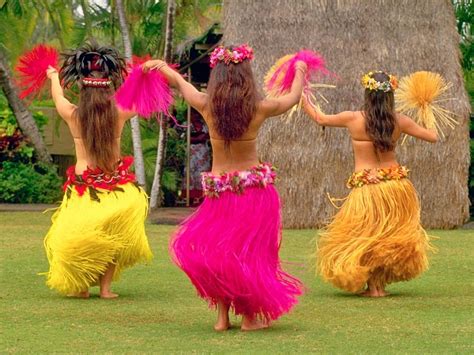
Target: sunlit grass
{"points": [[158, 311]]}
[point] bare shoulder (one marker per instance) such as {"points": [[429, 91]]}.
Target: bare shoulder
{"points": [[349, 117], [402, 119], [125, 115], [66, 110]]}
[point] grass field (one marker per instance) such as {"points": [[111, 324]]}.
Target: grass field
{"points": [[158, 311]]}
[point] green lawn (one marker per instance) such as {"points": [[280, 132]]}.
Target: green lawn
{"points": [[158, 310]]}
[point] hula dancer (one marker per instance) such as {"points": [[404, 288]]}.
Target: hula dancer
{"points": [[99, 229], [376, 237], [229, 246]]}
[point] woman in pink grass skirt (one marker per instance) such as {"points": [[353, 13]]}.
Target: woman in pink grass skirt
{"points": [[229, 246]]}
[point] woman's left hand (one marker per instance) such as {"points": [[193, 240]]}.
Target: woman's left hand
{"points": [[50, 72], [154, 64]]}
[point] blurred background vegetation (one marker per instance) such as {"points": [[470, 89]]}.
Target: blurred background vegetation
{"points": [[68, 23]]}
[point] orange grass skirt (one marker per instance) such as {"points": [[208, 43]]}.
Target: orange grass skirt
{"points": [[376, 236]]}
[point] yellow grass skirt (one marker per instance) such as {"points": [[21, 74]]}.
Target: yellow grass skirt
{"points": [[87, 235], [376, 236]]}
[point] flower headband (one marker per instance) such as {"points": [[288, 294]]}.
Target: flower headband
{"points": [[234, 55], [370, 83], [96, 82]]}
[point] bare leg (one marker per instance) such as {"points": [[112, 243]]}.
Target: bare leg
{"points": [[223, 322], [105, 281], [252, 323]]}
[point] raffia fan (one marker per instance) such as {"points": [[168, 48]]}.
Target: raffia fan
{"points": [[421, 96], [31, 69], [279, 78]]}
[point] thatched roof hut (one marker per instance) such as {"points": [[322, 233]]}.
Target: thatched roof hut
{"points": [[355, 36]]}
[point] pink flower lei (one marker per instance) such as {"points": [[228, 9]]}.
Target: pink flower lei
{"points": [[234, 55]]}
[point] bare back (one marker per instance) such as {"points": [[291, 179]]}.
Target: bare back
{"points": [[83, 159], [242, 153], [365, 155]]}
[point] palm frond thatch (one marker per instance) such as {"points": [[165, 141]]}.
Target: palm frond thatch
{"points": [[354, 37]]}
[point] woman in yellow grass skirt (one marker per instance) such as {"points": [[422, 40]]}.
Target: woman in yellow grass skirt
{"points": [[99, 229], [376, 237]]}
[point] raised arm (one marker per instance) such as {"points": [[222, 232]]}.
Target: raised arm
{"points": [[190, 94], [279, 105], [341, 119], [63, 106], [408, 126]]}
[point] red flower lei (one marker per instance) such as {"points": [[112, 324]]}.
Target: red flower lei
{"points": [[98, 179]]}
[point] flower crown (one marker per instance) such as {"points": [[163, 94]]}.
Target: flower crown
{"points": [[234, 55], [370, 83]]}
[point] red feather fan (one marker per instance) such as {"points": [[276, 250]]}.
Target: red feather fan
{"points": [[31, 69]]}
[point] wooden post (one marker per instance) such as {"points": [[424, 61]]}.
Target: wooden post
{"points": [[188, 146]]}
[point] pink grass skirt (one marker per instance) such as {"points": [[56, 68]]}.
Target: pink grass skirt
{"points": [[229, 246]]}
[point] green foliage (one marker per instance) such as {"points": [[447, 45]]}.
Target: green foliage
{"points": [[465, 24], [175, 156], [29, 183], [22, 179]]}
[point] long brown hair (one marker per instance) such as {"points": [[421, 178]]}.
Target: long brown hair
{"points": [[233, 98], [97, 114], [379, 113]]}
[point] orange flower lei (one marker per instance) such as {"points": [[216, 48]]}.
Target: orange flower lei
{"points": [[377, 175]]}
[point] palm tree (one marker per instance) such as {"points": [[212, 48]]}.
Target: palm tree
{"points": [[24, 117], [160, 157], [136, 136], [355, 37]]}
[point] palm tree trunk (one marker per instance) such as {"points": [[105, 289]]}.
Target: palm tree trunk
{"points": [[24, 117], [161, 149], [87, 17], [135, 123]]}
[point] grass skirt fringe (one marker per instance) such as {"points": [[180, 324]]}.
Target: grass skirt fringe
{"points": [[87, 235], [376, 236], [229, 250]]}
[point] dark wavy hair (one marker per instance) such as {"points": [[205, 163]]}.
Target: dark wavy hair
{"points": [[380, 116], [233, 98], [97, 114]]}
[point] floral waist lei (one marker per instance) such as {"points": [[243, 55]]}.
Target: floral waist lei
{"points": [[96, 179], [377, 175], [258, 176]]}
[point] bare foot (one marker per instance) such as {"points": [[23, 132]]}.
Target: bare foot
{"points": [[83, 294], [108, 295], [369, 293], [222, 326], [223, 322], [383, 293], [374, 293], [253, 324]]}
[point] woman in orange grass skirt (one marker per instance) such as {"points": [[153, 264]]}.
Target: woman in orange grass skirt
{"points": [[376, 237]]}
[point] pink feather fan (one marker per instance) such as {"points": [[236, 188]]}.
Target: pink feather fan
{"points": [[280, 77], [31, 69], [145, 93]]}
